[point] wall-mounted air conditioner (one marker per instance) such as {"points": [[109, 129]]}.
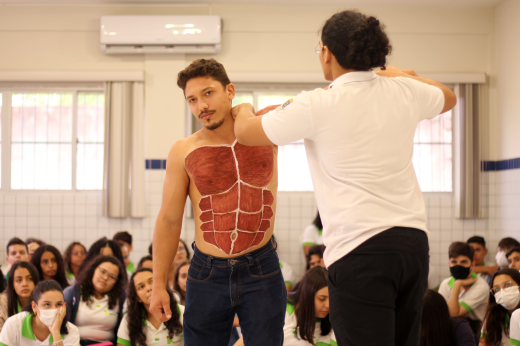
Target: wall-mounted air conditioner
{"points": [[160, 34]]}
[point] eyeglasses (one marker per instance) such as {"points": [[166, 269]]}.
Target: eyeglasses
{"points": [[108, 276], [506, 284], [317, 48]]}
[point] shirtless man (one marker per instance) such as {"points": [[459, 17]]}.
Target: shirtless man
{"points": [[235, 268]]}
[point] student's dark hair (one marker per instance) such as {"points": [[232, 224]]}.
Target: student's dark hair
{"points": [[60, 276], [15, 241], [136, 311], [316, 250], [203, 68], [508, 242], [12, 297], [84, 280], [459, 248], [313, 281], [150, 249], [123, 236], [186, 247], [41, 288], [435, 321], [35, 240], [176, 286], [477, 239], [357, 41], [68, 254], [3, 282], [144, 259], [510, 251], [493, 322], [95, 250], [317, 221]]}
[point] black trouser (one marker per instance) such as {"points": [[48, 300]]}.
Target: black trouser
{"points": [[377, 290]]}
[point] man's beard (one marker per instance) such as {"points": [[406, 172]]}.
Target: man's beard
{"points": [[216, 125]]}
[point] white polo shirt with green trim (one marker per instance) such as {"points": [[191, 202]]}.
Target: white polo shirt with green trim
{"points": [[154, 336], [312, 236], [292, 338], [505, 339], [287, 273], [514, 332], [473, 300], [97, 322], [17, 331]]}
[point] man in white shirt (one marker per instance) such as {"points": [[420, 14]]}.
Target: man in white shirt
{"points": [[359, 141]]}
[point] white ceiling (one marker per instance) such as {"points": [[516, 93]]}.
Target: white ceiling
{"points": [[457, 3]]}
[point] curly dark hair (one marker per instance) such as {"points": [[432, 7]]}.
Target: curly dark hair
{"points": [[84, 280], [357, 41], [176, 282], [60, 276], [95, 250], [203, 68], [12, 297], [136, 311], [68, 254]]}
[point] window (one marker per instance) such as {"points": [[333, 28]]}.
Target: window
{"points": [[56, 140]]}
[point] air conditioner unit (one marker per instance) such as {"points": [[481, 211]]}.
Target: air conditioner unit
{"points": [[160, 34]]}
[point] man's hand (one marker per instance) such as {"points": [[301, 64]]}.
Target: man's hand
{"points": [[392, 71], [244, 108], [160, 304], [467, 282], [266, 110]]}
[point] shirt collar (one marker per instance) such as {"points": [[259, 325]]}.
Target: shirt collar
{"points": [[27, 330], [350, 77]]}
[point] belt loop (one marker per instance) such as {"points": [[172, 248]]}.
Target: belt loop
{"points": [[250, 259], [209, 261]]}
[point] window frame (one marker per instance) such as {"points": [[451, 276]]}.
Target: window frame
{"points": [[7, 93]]}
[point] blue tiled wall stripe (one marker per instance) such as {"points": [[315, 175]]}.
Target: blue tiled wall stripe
{"points": [[487, 166], [155, 164]]}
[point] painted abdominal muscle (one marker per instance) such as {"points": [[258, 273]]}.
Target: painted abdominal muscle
{"points": [[236, 204]]}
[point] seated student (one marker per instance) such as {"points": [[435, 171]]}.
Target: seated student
{"points": [[504, 298], [126, 258], [315, 256], [21, 281], [312, 234], [16, 250], [126, 238], [307, 317], [182, 256], [145, 262], [287, 272], [43, 322], [438, 328], [32, 245], [513, 258], [504, 245], [73, 259], [483, 270], [106, 247], [96, 301], [179, 287], [47, 259], [465, 292], [3, 281], [139, 326]]}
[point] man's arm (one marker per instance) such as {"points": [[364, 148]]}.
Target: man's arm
{"points": [[450, 100], [453, 302], [248, 126], [168, 229], [489, 270]]}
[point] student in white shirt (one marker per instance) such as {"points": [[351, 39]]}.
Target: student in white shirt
{"points": [[312, 234], [73, 258], [44, 322], [307, 317], [499, 326], [466, 293], [16, 250], [49, 262], [22, 279], [359, 143], [480, 267], [513, 258], [139, 326], [179, 286], [96, 301]]}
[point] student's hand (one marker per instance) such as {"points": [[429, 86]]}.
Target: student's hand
{"points": [[160, 304], [392, 71], [467, 282], [56, 326], [242, 107], [266, 110]]}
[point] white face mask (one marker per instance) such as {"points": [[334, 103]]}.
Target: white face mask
{"points": [[501, 259], [47, 316], [508, 297]]}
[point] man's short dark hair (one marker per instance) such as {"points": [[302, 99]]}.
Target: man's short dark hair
{"points": [[477, 239], [203, 68], [510, 251], [459, 248], [508, 243], [15, 241], [123, 236], [357, 41]]}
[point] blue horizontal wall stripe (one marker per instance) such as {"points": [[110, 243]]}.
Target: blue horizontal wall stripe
{"points": [[155, 164], [502, 165]]}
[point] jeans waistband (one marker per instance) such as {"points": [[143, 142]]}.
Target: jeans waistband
{"points": [[235, 261]]}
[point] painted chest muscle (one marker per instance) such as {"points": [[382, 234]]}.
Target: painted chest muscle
{"points": [[236, 204]]}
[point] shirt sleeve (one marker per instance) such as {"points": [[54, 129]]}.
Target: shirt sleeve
{"points": [[123, 337], [333, 341], [514, 331], [429, 99], [288, 274], [72, 338], [477, 296], [462, 334], [10, 334], [290, 122], [309, 235]]}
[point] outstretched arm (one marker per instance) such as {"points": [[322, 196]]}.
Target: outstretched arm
{"points": [[248, 126], [168, 230]]}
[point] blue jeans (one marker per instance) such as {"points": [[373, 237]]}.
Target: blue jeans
{"points": [[251, 286]]}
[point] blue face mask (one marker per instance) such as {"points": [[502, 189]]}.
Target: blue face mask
{"points": [[460, 272]]}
